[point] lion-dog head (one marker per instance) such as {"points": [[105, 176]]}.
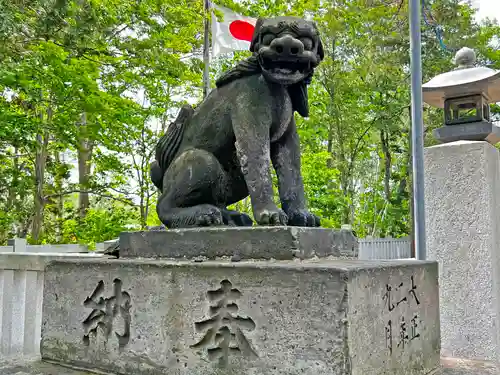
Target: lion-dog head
{"points": [[285, 51], [287, 48]]}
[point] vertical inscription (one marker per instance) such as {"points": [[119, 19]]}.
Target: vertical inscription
{"points": [[105, 311], [388, 336], [224, 328], [387, 297], [403, 335], [413, 289], [414, 328], [400, 332]]}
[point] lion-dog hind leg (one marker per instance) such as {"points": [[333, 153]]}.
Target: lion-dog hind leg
{"points": [[194, 193]]}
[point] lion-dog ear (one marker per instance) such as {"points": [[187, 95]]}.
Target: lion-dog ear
{"points": [[256, 33], [320, 49]]}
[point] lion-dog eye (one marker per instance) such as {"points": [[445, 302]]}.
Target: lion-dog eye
{"points": [[307, 42], [267, 38]]}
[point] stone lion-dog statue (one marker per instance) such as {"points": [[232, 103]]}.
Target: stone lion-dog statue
{"points": [[221, 152]]}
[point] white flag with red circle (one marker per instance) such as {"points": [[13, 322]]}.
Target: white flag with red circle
{"points": [[233, 33]]}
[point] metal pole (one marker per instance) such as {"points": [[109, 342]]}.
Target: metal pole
{"points": [[206, 50], [417, 127]]}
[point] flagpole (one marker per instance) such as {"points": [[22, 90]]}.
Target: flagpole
{"points": [[206, 50], [417, 129]]}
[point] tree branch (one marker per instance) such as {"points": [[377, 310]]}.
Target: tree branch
{"points": [[123, 200]]}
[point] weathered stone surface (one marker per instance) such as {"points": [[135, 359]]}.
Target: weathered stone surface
{"points": [[289, 317], [240, 242], [462, 181]]}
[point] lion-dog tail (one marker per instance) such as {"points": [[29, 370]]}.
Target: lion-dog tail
{"points": [[168, 145]]}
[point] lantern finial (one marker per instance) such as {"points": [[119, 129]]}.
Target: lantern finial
{"points": [[465, 58]]}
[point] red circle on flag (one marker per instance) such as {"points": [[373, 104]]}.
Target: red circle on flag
{"points": [[241, 30]]}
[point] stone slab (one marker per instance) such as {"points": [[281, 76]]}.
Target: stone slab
{"points": [[462, 181], [240, 243], [312, 317]]}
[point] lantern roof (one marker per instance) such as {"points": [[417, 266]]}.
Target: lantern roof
{"points": [[465, 80]]}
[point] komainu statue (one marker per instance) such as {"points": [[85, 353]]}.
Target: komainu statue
{"points": [[221, 152]]}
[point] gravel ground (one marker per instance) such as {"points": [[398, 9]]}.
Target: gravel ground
{"points": [[454, 366], [33, 366]]}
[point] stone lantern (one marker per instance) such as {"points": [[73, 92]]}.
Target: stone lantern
{"points": [[465, 94]]}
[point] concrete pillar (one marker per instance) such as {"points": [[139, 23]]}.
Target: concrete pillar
{"points": [[462, 193], [21, 297], [19, 244]]}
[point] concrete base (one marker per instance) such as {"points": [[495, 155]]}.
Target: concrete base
{"points": [[327, 317], [462, 185], [239, 243]]}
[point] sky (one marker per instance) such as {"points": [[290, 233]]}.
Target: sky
{"points": [[487, 8]]}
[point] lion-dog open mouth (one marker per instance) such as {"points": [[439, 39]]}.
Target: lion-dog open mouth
{"points": [[287, 49], [285, 72]]}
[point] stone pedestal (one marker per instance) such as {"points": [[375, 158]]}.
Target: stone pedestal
{"points": [[462, 196], [281, 243], [317, 316]]}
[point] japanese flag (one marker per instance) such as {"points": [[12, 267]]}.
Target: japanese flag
{"points": [[233, 33]]}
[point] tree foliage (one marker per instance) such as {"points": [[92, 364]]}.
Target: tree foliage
{"points": [[88, 86]]}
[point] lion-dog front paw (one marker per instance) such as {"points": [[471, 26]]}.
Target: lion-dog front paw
{"points": [[270, 215], [303, 218]]}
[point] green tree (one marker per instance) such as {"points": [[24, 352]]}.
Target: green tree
{"points": [[94, 84]]}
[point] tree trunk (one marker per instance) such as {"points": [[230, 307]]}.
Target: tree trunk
{"points": [[345, 178], [146, 210], [330, 126], [60, 200], [42, 143], [384, 138], [13, 185], [143, 211], [40, 163], [85, 149]]}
